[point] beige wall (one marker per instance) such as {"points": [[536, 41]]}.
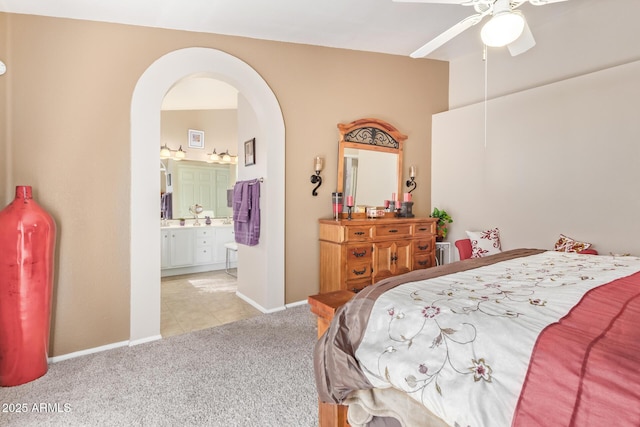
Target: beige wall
{"points": [[71, 88], [561, 158], [4, 82], [220, 129]]}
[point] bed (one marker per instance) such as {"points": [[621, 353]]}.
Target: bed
{"points": [[525, 337]]}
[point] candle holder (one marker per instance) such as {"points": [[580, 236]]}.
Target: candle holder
{"points": [[411, 182], [316, 179], [349, 212]]}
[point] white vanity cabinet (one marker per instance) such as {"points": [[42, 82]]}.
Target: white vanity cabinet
{"points": [[204, 245], [194, 249], [177, 247]]}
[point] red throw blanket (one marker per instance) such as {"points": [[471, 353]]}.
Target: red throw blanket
{"points": [[596, 379]]}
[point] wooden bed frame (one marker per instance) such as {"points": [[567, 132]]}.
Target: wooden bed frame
{"points": [[324, 307]]}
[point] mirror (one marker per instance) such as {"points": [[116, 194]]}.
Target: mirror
{"points": [[194, 182], [370, 161]]}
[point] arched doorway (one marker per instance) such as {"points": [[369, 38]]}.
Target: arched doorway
{"points": [[145, 188]]}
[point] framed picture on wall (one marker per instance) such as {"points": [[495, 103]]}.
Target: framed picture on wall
{"points": [[196, 138], [250, 152]]}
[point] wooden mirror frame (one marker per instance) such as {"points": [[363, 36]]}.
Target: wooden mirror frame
{"points": [[370, 134]]}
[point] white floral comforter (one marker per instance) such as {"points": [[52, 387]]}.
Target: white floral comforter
{"points": [[460, 344]]}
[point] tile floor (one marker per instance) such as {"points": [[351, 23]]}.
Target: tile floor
{"points": [[198, 301]]}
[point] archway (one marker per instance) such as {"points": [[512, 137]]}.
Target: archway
{"points": [[145, 188]]}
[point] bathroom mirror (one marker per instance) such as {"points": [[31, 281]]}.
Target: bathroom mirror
{"points": [[370, 161], [195, 182]]}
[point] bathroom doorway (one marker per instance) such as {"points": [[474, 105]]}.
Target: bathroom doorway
{"points": [[267, 260], [208, 107]]}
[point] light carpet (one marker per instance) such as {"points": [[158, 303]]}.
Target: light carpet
{"points": [[254, 372]]}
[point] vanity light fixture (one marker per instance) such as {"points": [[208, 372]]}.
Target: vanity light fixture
{"points": [[411, 182], [165, 152], [180, 154], [213, 157], [318, 163], [226, 157]]}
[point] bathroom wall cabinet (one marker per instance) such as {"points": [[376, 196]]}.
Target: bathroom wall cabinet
{"points": [[194, 249]]}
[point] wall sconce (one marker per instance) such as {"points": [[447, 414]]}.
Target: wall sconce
{"points": [[317, 179], [411, 182]]}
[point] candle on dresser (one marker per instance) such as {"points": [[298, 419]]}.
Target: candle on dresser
{"points": [[393, 197], [386, 204], [349, 200], [407, 197], [398, 204]]}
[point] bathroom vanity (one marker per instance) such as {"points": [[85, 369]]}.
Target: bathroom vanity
{"points": [[194, 249]]}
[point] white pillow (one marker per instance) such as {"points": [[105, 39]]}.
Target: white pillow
{"points": [[484, 243]]}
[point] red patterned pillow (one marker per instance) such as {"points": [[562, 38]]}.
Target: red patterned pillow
{"points": [[484, 243], [567, 244]]}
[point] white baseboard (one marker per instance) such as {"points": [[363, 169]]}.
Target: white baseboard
{"points": [[297, 304], [145, 340], [258, 306], [80, 353]]}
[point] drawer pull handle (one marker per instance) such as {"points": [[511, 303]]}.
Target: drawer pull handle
{"points": [[422, 248], [422, 229], [423, 262], [393, 231], [394, 257], [360, 273], [359, 233], [359, 254]]}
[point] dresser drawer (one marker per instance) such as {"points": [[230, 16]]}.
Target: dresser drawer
{"points": [[424, 228], [399, 230], [423, 261], [423, 245], [358, 253], [357, 285], [359, 233], [359, 270]]}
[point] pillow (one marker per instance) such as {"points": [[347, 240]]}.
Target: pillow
{"points": [[567, 244], [484, 243]]}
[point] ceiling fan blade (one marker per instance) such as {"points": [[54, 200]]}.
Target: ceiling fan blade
{"points": [[448, 35], [543, 2], [433, 1], [522, 43]]}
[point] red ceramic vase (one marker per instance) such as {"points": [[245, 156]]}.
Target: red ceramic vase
{"points": [[27, 240]]}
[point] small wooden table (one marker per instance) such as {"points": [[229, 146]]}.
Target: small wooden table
{"points": [[324, 306]]}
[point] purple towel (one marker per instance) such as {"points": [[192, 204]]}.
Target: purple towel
{"points": [[166, 206], [246, 212]]}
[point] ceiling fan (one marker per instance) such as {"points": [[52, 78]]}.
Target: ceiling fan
{"points": [[507, 26]]}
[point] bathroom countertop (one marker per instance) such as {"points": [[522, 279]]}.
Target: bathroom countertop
{"points": [[189, 224]]}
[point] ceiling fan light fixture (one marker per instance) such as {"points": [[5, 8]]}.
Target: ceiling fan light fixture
{"points": [[503, 28]]}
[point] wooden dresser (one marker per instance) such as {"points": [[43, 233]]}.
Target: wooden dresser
{"points": [[358, 252]]}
